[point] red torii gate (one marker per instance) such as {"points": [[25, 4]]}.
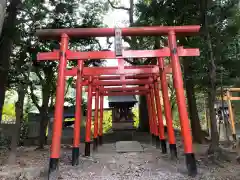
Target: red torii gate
{"points": [[144, 90], [172, 51]]}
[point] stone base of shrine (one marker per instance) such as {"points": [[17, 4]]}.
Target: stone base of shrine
{"points": [[123, 126], [128, 146]]}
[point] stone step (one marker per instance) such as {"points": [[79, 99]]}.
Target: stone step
{"points": [[128, 146]]}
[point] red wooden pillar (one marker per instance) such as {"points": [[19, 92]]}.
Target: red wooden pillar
{"points": [[95, 139], [160, 119], [154, 114], [78, 115], [58, 113], [149, 106], [183, 115], [101, 120], [89, 119], [167, 109]]}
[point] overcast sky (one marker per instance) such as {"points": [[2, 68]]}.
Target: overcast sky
{"points": [[115, 18]]}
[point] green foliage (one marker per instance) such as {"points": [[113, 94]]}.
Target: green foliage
{"points": [[8, 113], [224, 30], [52, 14], [136, 117], [107, 121], [224, 27]]}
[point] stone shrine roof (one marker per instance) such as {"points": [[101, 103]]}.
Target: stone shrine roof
{"points": [[122, 100]]}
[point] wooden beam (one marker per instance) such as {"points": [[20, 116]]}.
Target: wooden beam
{"points": [[225, 98]]}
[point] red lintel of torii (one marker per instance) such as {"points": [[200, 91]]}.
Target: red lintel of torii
{"points": [[140, 88], [119, 89], [119, 83], [115, 77], [122, 93], [128, 70], [108, 32], [72, 55]]}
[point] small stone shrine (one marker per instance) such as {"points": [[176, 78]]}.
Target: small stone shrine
{"points": [[122, 115]]}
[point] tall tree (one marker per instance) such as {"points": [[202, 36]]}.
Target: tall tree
{"points": [[7, 40], [52, 14], [21, 90], [3, 7], [219, 29], [212, 78], [191, 99], [19, 73], [175, 13]]}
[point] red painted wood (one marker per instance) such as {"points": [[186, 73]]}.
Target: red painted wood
{"points": [[96, 115], [101, 115], [58, 113], [122, 93], [73, 55], [166, 102], [107, 32], [159, 111], [89, 114], [129, 70], [121, 89], [119, 83], [180, 95], [149, 107], [78, 107]]}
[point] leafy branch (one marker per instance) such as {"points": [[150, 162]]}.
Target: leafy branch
{"points": [[118, 7], [34, 97]]}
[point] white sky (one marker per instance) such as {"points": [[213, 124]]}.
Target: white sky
{"points": [[115, 18]]}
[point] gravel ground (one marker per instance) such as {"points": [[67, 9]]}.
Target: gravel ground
{"points": [[149, 165], [106, 164]]}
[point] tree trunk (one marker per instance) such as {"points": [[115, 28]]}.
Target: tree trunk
{"points": [[17, 127], [131, 12], [43, 128], [44, 114], [52, 100], [47, 86], [143, 115], [3, 7], [6, 49], [214, 146], [191, 99]]}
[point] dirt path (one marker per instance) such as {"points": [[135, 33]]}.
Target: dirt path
{"points": [[106, 164]]}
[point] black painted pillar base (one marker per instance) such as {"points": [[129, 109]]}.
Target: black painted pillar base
{"points": [[53, 171], [157, 142], [100, 140], [191, 164], [173, 150], [87, 148], [153, 139], [95, 144], [234, 137], [163, 146], [75, 156]]}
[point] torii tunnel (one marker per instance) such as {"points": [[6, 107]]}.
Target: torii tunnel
{"points": [[148, 80]]}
